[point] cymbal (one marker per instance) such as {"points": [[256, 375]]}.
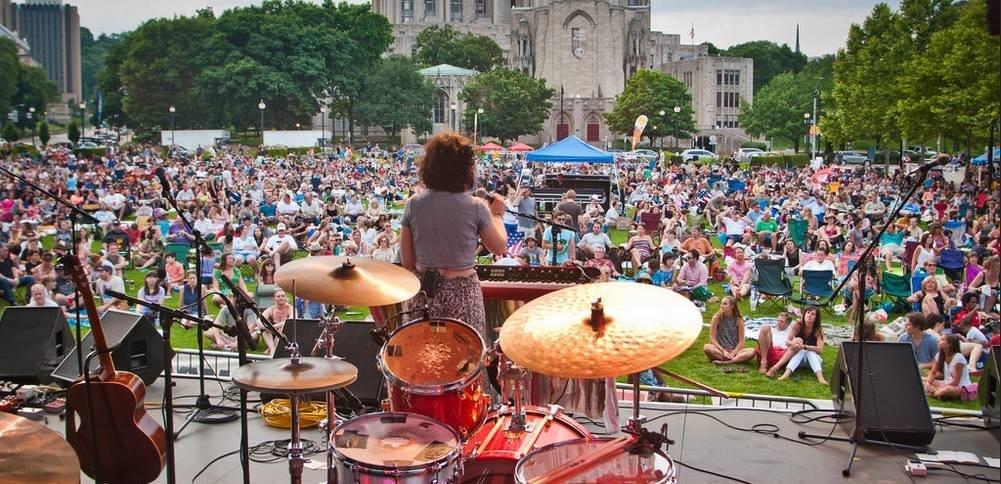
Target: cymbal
{"points": [[31, 452], [311, 375], [644, 326], [347, 281]]}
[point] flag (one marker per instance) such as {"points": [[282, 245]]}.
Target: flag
{"points": [[638, 128], [691, 34], [514, 240]]}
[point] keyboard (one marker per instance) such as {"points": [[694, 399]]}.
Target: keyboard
{"points": [[524, 283]]}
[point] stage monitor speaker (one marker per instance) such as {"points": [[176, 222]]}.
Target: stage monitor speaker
{"points": [[988, 392], [353, 342], [137, 343], [894, 408], [32, 343]]}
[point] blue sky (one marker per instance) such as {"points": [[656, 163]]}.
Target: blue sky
{"points": [[823, 24]]}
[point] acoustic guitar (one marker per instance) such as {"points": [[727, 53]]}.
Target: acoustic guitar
{"points": [[115, 437]]}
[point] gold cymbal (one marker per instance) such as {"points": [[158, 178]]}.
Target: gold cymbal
{"points": [[643, 326], [347, 281], [311, 375], [31, 452]]}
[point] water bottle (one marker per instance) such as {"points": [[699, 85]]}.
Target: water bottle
{"points": [[754, 299]]}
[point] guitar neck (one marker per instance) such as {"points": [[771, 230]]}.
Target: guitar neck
{"points": [[72, 263]]}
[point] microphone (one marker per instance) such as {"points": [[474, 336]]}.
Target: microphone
{"points": [[924, 168], [164, 183]]}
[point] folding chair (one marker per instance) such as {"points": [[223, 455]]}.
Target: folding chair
{"points": [[178, 249], [952, 261], [772, 280], [797, 231], [264, 295], [896, 288], [909, 247], [816, 289], [958, 229], [696, 220]]}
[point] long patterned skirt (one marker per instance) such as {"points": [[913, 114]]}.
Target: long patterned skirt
{"points": [[459, 298]]}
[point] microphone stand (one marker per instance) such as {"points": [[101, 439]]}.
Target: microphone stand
{"points": [[866, 261], [552, 227]]}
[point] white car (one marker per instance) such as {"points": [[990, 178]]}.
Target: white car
{"points": [[696, 155], [745, 154]]}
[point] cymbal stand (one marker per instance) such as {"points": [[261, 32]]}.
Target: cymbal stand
{"points": [[330, 324], [295, 456], [515, 375]]}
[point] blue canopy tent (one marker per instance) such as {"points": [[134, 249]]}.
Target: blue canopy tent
{"points": [[982, 159], [570, 150]]}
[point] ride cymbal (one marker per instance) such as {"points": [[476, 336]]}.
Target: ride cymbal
{"points": [[600, 330], [310, 375], [31, 452], [347, 281]]}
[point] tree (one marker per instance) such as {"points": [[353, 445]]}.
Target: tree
{"points": [[953, 88], [10, 133], [73, 132], [8, 74], [397, 96], [444, 45], [778, 108], [34, 89], [93, 51], [43, 133], [649, 92], [770, 60], [513, 103], [109, 82]]}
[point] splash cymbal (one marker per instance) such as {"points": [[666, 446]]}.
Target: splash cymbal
{"points": [[347, 281], [280, 375], [600, 330]]}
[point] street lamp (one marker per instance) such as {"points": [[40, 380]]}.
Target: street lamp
{"points": [[476, 122], [806, 121], [261, 106], [297, 126], [83, 120], [323, 127], [662, 113], [172, 110], [677, 111], [455, 125], [31, 118]]}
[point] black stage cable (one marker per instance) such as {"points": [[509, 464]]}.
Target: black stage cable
{"points": [[267, 452], [711, 473]]}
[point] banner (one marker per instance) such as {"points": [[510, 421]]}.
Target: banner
{"points": [[638, 128]]}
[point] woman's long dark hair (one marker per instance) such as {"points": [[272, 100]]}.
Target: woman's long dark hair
{"points": [[952, 340]]}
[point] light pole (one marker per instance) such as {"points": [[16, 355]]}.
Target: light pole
{"points": [[172, 110], [323, 127], [806, 121], [83, 120], [261, 106], [813, 127], [31, 119], [455, 124], [662, 113], [677, 112], [476, 123], [297, 126]]}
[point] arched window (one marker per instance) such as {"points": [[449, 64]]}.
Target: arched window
{"points": [[439, 113]]}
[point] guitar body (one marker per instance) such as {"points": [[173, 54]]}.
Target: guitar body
{"points": [[130, 443]]}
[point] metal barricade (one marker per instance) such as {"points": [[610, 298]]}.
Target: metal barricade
{"points": [[219, 365]]}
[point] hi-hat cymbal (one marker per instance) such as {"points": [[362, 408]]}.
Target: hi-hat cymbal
{"points": [[643, 326], [347, 281], [31, 452], [311, 375]]}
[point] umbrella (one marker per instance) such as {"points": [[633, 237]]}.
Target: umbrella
{"points": [[822, 175], [491, 147], [520, 148]]}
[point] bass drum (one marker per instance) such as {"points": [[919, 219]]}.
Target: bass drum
{"points": [[395, 448], [490, 455], [434, 367], [657, 467]]}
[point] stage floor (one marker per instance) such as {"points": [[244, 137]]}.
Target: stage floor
{"points": [[700, 441]]}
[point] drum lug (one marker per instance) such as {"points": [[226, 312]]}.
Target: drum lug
{"points": [[385, 405]]}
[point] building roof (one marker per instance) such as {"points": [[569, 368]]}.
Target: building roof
{"points": [[447, 70]]}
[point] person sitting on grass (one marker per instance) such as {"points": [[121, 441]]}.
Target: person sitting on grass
{"points": [[807, 338], [923, 342], [951, 366], [175, 271], [726, 336], [772, 351], [739, 271]]}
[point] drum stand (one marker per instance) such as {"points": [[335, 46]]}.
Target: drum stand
{"points": [[295, 457], [325, 342]]}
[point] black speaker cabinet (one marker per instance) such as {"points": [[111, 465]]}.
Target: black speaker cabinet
{"points": [[893, 404], [987, 392], [32, 343], [138, 348]]}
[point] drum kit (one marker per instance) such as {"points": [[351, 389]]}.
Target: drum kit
{"points": [[440, 424]]}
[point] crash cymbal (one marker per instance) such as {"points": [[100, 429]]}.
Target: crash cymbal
{"points": [[31, 452], [347, 281], [311, 375], [642, 327]]}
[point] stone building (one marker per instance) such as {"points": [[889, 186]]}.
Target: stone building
{"points": [[585, 50]]}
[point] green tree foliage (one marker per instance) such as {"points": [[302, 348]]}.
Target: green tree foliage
{"points": [[513, 103], [8, 74], [34, 89], [649, 92], [109, 82], [954, 88], [43, 133], [397, 96], [10, 133], [92, 54], [73, 132], [778, 108], [444, 45], [770, 59]]}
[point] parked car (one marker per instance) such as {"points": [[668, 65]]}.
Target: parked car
{"points": [[744, 154], [697, 155], [851, 158], [645, 155], [88, 145]]}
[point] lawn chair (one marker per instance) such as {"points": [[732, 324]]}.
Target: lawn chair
{"points": [[816, 289], [797, 231], [896, 288], [909, 247], [180, 250], [953, 262], [696, 220], [958, 229], [264, 295], [772, 280]]}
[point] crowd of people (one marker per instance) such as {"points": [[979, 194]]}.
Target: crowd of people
{"points": [[259, 212]]}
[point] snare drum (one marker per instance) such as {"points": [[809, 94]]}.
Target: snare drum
{"points": [[657, 467], [492, 452], [397, 448], [434, 367]]}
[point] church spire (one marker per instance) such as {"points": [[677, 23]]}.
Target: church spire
{"points": [[797, 38]]}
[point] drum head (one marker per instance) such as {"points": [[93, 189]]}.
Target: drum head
{"points": [[394, 440], [622, 467], [433, 352]]}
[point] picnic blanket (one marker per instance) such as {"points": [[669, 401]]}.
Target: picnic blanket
{"points": [[833, 335]]}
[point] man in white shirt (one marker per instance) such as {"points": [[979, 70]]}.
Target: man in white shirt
{"points": [[311, 209], [821, 262], [280, 246], [354, 207], [286, 206], [772, 351], [594, 239], [106, 281]]}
